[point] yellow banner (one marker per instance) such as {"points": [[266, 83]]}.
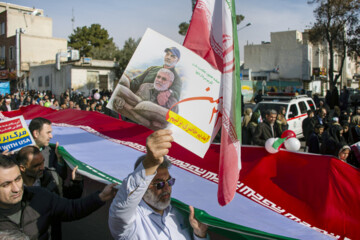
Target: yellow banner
{"points": [[188, 127], [14, 135]]}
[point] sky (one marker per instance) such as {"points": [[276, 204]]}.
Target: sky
{"points": [[130, 18]]}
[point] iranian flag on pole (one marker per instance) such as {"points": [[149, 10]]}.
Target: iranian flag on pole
{"points": [[212, 34]]}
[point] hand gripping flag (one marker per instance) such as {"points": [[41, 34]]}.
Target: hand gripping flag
{"points": [[212, 34]]}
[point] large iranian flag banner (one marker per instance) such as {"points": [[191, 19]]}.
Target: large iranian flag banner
{"points": [[212, 34], [286, 195]]}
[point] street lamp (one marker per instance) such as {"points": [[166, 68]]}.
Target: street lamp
{"points": [[248, 24], [241, 28]]}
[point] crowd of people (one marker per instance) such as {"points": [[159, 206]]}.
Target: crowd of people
{"points": [[67, 100], [38, 190], [330, 129]]}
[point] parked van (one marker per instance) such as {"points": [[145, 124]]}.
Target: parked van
{"points": [[296, 109]]}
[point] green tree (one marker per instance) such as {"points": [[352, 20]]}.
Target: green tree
{"points": [[85, 39], [183, 27], [125, 54], [106, 52], [335, 20], [354, 41]]}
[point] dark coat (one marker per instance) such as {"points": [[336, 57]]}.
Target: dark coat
{"points": [[355, 133], [52, 163], [249, 130], [314, 143], [39, 208], [332, 141], [3, 108], [263, 132], [325, 122], [308, 125]]}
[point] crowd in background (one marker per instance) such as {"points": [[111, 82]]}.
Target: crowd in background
{"points": [[39, 191], [334, 124], [67, 100], [330, 129]]}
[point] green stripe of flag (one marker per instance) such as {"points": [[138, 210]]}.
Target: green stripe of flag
{"points": [[236, 78], [221, 227]]}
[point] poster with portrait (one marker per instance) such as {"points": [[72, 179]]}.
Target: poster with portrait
{"points": [[165, 85], [14, 134]]}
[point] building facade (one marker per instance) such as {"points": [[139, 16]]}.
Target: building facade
{"points": [[82, 76], [25, 39], [289, 62]]}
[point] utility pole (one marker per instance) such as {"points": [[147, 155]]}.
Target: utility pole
{"points": [[73, 20]]}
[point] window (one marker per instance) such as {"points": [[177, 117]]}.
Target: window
{"points": [[2, 52], [40, 81], [2, 28], [311, 105], [11, 53], [47, 81], [259, 78], [302, 107], [293, 111]]}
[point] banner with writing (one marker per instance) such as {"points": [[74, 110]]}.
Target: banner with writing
{"points": [[14, 134], [165, 85]]}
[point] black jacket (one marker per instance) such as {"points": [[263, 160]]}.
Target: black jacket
{"points": [[39, 208], [51, 162], [3, 108], [314, 143], [263, 132], [308, 126]]}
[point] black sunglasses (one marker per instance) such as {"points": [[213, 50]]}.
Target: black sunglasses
{"points": [[161, 185]]}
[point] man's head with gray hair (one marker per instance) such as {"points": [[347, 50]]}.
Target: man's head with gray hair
{"points": [[164, 79], [270, 116], [270, 111], [158, 194]]}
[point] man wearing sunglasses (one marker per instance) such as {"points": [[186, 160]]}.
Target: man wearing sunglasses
{"points": [[142, 209]]}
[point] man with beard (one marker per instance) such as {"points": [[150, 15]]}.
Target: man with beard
{"points": [[31, 164], [153, 91], [142, 208], [322, 118], [33, 209], [172, 57], [267, 129]]}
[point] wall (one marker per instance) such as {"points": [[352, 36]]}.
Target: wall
{"points": [[39, 49], [81, 78], [59, 80], [16, 8], [285, 51], [33, 25], [69, 76]]}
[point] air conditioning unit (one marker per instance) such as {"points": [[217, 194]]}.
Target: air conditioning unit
{"points": [[73, 55]]}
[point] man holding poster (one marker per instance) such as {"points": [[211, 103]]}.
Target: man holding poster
{"points": [[142, 206]]}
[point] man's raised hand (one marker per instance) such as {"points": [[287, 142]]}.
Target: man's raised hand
{"points": [[157, 146]]}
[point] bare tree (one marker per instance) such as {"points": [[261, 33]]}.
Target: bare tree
{"points": [[335, 21]]}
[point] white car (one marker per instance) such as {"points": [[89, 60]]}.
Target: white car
{"points": [[296, 109]]}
